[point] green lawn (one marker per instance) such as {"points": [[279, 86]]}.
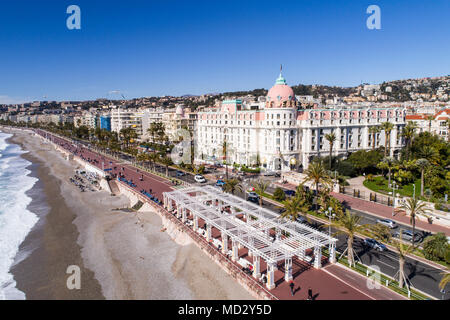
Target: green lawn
{"points": [[380, 184]]}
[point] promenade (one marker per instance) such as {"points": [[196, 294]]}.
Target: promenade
{"points": [[326, 283]]}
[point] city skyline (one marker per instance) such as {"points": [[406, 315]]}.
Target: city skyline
{"points": [[197, 48]]}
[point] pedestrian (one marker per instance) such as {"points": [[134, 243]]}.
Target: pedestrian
{"points": [[310, 295], [291, 285]]}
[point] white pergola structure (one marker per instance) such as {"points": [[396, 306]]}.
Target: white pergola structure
{"points": [[292, 238]]}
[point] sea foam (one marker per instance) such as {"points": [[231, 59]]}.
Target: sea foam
{"points": [[15, 220]]}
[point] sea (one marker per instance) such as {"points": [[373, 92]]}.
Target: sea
{"points": [[16, 221]]}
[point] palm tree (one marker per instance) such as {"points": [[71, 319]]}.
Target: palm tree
{"points": [[224, 152], [422, 164], [387, 127], [429, 153], [293, 207], [260, 188], [403, 250], [128, 135], [373, 131], [408, 133], [415, 208], [387, 163], [429, 118], [317, 174], [142, 157], [231, 185], [349, 225], [166, 161], [331, 138], [445, 279]]}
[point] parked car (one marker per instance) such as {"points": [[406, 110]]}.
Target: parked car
{"points": [[220, 183], [180, 173], [199, 178], [269, 173], [301, 219], [253, 197], [374, 244], [407, 235], [289, 192], [241, 173], [388, 223]]}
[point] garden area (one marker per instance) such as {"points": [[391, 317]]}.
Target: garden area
{"points": [[380, 184]]}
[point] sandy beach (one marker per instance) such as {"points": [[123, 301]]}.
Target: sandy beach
{"points": [[121, 254]]}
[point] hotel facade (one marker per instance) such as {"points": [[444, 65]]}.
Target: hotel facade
{"points": [[279, 134]]}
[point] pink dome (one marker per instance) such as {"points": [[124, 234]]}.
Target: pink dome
{"points": [[280, 95]]}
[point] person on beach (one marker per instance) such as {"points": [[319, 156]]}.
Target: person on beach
{"points": [[291, 285], [310, 295]]}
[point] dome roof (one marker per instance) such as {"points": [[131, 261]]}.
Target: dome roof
{"points": [[280, 93]]}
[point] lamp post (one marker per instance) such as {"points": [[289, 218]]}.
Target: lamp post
{"points": [[330, 209], [394, 187]]}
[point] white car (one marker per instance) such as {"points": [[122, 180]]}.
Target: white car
{"points": [[388, 223], [199, 178]]}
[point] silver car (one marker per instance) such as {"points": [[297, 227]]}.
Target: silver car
{"points": [[388, 223]]}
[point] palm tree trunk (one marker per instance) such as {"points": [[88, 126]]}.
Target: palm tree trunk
{"points": [[331, 154], [413, 218], [421, 183], [350, 257], [317, 195], [401, 273], [389, 177], [373, 140]]}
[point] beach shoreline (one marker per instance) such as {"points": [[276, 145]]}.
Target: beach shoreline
{"points": [[122, 255]]}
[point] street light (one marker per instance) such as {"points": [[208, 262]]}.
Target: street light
{"points": [[394, 187], [330, 209]]}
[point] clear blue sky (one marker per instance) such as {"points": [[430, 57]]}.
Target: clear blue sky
{"points": [[149, 48]]}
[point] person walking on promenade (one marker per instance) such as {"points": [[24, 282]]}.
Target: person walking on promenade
{"points": [[291, 285], [310, 295]]}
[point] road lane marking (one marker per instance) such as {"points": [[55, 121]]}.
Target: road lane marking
{"points": [[388, 265]]}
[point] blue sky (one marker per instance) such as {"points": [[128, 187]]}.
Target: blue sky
{"points": [[150, 48]]}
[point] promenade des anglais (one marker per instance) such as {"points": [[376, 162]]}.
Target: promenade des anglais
{"points": [[225, 157]]}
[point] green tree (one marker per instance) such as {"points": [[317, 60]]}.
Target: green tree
{"points": [[293, 207], [231, 185], [408, 134], [317, 174], [348, 224], [365, 161], [387, 128], [387, 164], [260, 188], [414, 207], [422, 164], [166, 161], [402, 250], [373, 131], [331, 138], [435, 247], [279, 194]]}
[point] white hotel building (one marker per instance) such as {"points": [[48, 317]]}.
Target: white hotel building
{"points": [[282, 136]]}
